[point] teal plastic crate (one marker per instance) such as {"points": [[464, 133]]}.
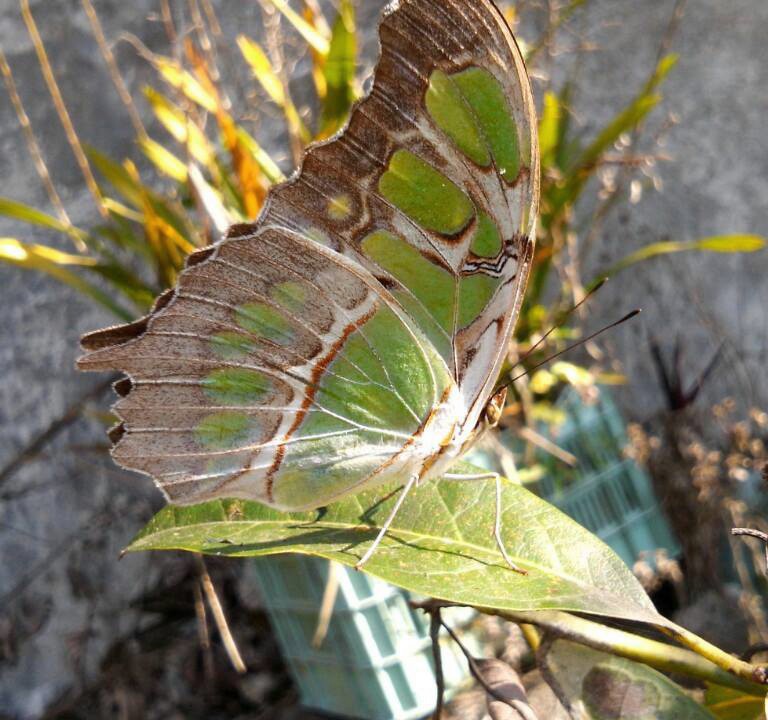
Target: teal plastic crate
{"points": [[605, 492], [376, 660], [618, 505]]}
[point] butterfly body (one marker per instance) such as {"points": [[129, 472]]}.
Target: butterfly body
{"points": [[353, 335]]}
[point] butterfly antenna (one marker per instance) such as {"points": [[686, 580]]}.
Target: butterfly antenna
{"points": [[583, 341], [562, 320]]}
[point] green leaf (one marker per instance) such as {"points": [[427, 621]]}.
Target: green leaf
{"points": [[631, 115], [727, 704], [181, 126], [54, 263], [163, 159], [28, 214], [138, 194], [625, 121], [264, 72], [440, 545], [117, 176], [182, 80], [262, 69], [718, 243], [127, 282], [309, 33], [550, 129], [612, 688], [267, 165], [339, 72]]}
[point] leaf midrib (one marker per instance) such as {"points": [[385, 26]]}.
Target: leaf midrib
{"points": [[408, 533]]}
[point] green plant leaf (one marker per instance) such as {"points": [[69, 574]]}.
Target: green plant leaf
{"points": [[182, 127], [309, 33], [612, 688], [625, 121], [630, 116], [550, 126], [179, 78], [163, 159], [440, 545], [124, 178], [55, 263], [728, 704], [261, 156], [339, 72], [267, 76], [718, 243], [28, 214], [262, 69], [117, 176]]}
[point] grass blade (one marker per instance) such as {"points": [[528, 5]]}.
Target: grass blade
{"points": [[339, 72], [55, 263], [309, 33], [718, 243]]}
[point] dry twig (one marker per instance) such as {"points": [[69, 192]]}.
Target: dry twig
{"points": [[114, 71], [34, 150], [61, 109], [219, 617], [435, 621]]}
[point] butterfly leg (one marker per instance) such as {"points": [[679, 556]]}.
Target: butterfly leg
{"points": [[497, 519], [369, 553]]}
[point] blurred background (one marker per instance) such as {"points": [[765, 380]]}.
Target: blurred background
{"points": [[653, 132]]}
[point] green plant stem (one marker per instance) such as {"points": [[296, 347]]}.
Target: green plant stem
{"points": [[747, 671], [706, 662]]}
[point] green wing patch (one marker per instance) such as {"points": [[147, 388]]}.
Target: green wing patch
{"points": [[471, 109]]}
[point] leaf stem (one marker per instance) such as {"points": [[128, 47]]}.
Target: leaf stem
{"points": [[729, 663], [706, 662]]}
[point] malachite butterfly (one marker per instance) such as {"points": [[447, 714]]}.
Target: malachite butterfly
{"points": [[354, 333]]}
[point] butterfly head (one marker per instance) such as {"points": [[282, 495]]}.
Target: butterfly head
{"points": [[494, 409]]}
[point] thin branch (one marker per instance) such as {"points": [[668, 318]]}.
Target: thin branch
{"points": [[542, 663], [756, 534], [672, 27], [203, 634], [275, 44], [531, 635], [209, 52], [61, 109], [522, 709], [753, 650], [37, 155], [219, 617], [330, 593], [530, 435], [210, 14], [114, 70], [168, 24], [706, 663], [435, 622]]}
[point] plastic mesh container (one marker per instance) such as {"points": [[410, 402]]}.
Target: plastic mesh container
{"points": [[376, 660], [605, 492]]}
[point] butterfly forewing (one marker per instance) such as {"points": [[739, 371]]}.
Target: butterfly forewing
{"points": [[350, 333], [433, 185]]}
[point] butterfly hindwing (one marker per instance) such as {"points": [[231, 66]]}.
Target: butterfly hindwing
{"points": [[354, 332], [277, 371]]}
